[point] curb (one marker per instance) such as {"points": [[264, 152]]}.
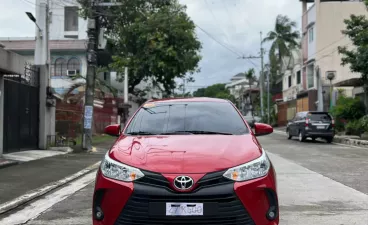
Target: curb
{"points": [[33, 194], [62, 149], [340, 141], [8, 164]]}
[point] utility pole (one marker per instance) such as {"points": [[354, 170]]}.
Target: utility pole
{"points": [[183, 87], [268, 98], [41, 61], [262, 75], [91, 75]]}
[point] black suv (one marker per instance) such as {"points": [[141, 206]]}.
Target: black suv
{"points": [[311, 125]]}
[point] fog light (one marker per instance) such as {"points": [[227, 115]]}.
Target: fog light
{"points": [[271, 214], [99, 214]]}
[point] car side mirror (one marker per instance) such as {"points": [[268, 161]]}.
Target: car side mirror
{"points": [[262, 129], [113, 130]]}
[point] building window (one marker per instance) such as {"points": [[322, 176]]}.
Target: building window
{"points": [[310, 74], [298, 77], [74, 64], [311, 34], [71, 18], [60, 67], [289, 81]]}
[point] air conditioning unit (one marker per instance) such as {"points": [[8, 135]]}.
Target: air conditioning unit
{"points": [[72, 72]]}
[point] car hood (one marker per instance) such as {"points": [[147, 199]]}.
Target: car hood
{"points": [[175, 154]]}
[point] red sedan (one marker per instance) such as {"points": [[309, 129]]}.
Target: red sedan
{"points": [[186, 161]]}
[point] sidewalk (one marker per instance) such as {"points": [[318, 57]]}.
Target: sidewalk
{"points": [[28, 176]]}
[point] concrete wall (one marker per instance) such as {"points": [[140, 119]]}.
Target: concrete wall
{"points": [[330, 17], [57, 21], [12, 62]]}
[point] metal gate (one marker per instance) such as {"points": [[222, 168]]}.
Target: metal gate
{"points": [[21, 106]]}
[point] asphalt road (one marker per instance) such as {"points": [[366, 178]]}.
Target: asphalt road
{"points": [[318, 184]]}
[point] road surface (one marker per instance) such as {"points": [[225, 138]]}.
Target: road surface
{"points": [[318, 184]]}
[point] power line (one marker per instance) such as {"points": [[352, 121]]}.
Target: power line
{"points": [[223, 45]]}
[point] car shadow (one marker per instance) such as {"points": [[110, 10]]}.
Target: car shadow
{"points": [[317, 141]]}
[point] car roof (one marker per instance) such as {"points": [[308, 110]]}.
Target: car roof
{"points": [[193, 99]]}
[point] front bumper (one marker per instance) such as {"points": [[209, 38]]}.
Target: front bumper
{"points": [[225, 202]]}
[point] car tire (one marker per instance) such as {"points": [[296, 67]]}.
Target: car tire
{"points": [[313, 139], [329, 140], [288, 134], [301, 136]]}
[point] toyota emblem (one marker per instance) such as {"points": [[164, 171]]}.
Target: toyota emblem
{"points": [[183, 182]]}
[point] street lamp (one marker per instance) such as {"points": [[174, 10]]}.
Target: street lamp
{"points": [[31, 17], [330, 75]]}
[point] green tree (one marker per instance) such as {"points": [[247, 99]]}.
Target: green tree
{"points": [[199, 92], [215, 91], [155, 39], [357, 57], [284, 38]]}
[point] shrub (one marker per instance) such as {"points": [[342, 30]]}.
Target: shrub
{"points": [[364, 123], [347, 108], [354, 127]]}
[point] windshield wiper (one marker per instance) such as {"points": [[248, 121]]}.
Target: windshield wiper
{"points": [[141, 133], [176, 132], [207, 132]]}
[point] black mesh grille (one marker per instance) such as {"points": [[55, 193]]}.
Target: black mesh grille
{"points": [[219, 208]]}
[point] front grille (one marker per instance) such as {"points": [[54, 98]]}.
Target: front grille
{"points": [[226, 209], [158, 180]]}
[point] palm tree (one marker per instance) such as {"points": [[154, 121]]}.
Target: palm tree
{"points": [[249, 75], [100, 87], [284, 38]]}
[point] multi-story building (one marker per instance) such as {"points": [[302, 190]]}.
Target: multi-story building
{"points": [[322, 24], [239, 87]]}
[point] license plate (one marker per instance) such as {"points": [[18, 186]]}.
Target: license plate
{"points": [[184, 209], [320, 127]]}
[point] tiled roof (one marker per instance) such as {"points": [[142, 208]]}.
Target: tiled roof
{"points": [[19, 45]]}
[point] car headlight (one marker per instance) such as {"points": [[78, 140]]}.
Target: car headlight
{"points": [[119, 171], [251, 170]]}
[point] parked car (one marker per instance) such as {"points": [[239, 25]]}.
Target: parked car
{"points": [[311, 125], [186, 161]]}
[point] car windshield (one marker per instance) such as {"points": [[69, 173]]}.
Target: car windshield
{"points": [[187, 118], [319, 117]]}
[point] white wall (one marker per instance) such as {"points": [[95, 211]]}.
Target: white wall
{"points": [[57, 21], [330, 23]]}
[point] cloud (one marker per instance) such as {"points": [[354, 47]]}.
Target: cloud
{"points": [[235, 23], [13, 20]]}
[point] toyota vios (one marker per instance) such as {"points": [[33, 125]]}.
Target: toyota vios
{"points": [[186, 161]]}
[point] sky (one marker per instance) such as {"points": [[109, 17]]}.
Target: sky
{"points": [[229, 29]]}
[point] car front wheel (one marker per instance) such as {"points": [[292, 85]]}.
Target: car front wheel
{"points": [[288, 134]]}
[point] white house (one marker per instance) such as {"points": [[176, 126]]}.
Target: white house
{"points": [[68, 44]]}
